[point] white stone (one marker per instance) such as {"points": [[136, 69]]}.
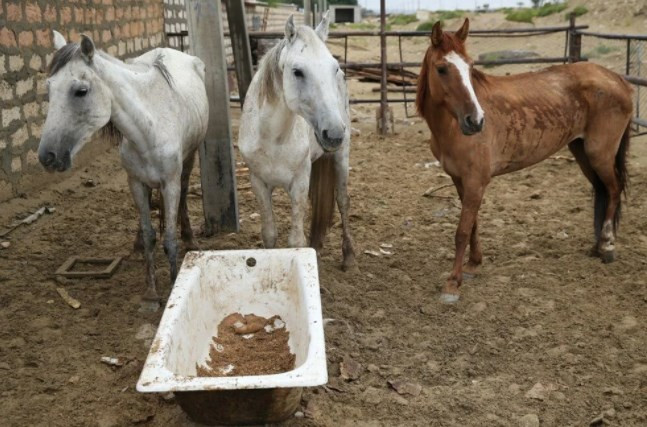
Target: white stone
{"points": [[6, 91], [35, 62], [16, 165], [16, 63], [19, 137], [9, 115], [24, 86]]}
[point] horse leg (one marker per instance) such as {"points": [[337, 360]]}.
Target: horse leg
{"points": [[185, 224], [170, 191], [141, 195], [343, 203], [138, 244], [472, 196], [298, 192], [476, 255], [605, 171], [263, 194], [577, 149]]}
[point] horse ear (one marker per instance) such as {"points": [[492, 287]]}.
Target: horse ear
{"points": [[322, 28], [87, 47], [437, 34], [464, 30], [59, 40], [290, 29]]}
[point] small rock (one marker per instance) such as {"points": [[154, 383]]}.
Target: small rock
{"points": [[529, 420], [4, 366], [609, 413], [73, 379], [597, 421], [612, 390], [298, 414], [312, 410], [535, 196], [372, 368], [254, 216], [628, 322], [405, 387], [538, 391], [399, 400], [355, 131], [478, 307], [349, 369], [5, 245], [372, 395], [145, 332], [372, 253]]}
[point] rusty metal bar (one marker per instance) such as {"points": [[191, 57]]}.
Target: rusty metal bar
{"points": [[376, 33], [383, 81], [638, 81], [642, 37]]}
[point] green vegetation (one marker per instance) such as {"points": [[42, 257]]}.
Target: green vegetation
{"points": [[527, 14], [601, 50], [426, 26], [444, 15], [520, 15], [551, 8], [402, 19], [578, 11]]}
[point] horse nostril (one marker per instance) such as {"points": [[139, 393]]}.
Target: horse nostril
{"points": [[481, 123], [49, 158], [325, 133]]}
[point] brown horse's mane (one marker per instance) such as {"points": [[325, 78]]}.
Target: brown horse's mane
{"points": [[449, 43]]}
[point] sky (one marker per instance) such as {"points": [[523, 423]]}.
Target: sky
{"points": [[410, 6]]}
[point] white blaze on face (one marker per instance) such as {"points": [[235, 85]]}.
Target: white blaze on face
{"points": [[464, 71]]}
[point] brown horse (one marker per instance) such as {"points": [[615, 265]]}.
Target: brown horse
{"points": [[483, 126]]}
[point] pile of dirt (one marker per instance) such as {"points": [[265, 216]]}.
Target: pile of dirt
{"points": [[249, 345]]}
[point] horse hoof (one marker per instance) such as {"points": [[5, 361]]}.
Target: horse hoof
{"points": [[348, 264], [449, 298], [608, 256]]}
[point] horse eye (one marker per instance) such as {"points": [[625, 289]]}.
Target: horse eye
{"points": [[80, 93], [298, 73], [442, 70]]}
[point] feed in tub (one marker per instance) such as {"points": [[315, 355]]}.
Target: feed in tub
{"points": [[248, 345]]}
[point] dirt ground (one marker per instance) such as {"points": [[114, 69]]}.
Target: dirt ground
{"points": [[545, 332]]}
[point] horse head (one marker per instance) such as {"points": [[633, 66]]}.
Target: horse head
{"points": [[311, 82], [79, 103], [447, 78]]}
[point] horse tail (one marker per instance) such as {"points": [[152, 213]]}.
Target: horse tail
{"points": [[601, 192], [322, 198]]}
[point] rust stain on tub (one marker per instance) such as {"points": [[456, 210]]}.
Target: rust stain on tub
{"points": [[155, 346]]}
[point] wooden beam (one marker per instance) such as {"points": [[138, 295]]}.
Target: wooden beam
{"points": [[216, 153], [240, 45]]}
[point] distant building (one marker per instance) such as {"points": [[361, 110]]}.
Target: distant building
{"points": [[340, 13]]}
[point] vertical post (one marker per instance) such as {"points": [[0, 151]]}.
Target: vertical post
{"points": [[383, 101], [217, 171], [628, 65], [307, 12], [574, 41], [240, 45]]}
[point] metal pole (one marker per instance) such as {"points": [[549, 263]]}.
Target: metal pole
{"points": [[383, 102], [217, 171], [240, 45], [307, 12]]}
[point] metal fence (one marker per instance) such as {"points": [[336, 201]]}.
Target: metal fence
{"points": [[626, 54]]}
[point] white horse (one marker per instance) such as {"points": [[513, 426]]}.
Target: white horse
{"points": [[295, 134], [157, 102]]}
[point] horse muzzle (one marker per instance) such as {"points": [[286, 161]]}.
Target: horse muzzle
{"points": [[330, 141], [52, 161]]}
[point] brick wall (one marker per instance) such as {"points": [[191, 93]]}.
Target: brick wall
{"points": [[122, 28]]}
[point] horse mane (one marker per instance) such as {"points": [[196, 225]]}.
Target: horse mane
{"points": [[159, 64], [62, 57], [422, 88], [270, 73]]}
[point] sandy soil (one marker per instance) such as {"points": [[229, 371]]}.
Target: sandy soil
{"points": [[543, 333]]}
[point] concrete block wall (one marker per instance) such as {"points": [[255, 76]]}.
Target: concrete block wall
{"points": [[123, 28]]}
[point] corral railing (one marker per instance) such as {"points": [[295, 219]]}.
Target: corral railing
{"points": [[625, 54]]}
